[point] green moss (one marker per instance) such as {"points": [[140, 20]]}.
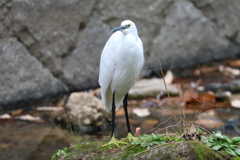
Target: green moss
{"points": [[174, 150], [235, 158], [203, 152], [131, 150]]}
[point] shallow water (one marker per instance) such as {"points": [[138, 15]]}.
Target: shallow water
{"points": [[24, 140]]}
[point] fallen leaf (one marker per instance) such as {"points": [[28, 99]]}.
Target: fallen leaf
{"points": [[204, 106], [204, 97], [188, 95], [235, 64], [206, 70], [16, 112], [141, 112], [191, 134], [5, 116], [209, 123]]}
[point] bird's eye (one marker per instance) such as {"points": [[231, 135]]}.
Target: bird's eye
{"points": [[128, 25]]}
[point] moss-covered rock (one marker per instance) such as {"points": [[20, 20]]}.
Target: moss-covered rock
{"points": [[185, 150]]}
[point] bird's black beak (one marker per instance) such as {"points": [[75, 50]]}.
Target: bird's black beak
{"points": [[119, 28]]}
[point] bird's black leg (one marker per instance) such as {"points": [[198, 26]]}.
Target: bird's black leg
{"points": [[113, 112], [125, 104], [113, 140]]}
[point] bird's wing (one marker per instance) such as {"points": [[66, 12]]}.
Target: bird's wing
{"points": [[107, 66], [140, 45]]}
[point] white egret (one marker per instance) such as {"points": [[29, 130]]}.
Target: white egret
{"points": [[121, 62]]}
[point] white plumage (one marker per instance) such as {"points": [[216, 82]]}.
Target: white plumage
{"points": [[121, 62]]}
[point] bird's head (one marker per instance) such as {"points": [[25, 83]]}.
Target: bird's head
{"points": [[127, 27]]}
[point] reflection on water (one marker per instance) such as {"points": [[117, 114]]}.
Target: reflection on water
{"points": [[21, 140]]}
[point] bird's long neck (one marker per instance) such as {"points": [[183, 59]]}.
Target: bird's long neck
{"points": [[135, 34]]}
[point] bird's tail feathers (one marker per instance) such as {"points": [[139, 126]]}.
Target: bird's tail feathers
{"points": [[107, 100]]}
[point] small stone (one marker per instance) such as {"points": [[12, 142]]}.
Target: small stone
{"points": [[97, 116], [141, 112], [99, 123], [151, 88], [86, 121], [5, 116]]}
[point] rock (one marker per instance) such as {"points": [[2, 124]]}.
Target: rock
{"points": [[151, 88], [187, 37], [233, 87], [66, 39], [235, 103], [51, 34], [225, 18], [86, 112], [23, 76], [80, 69], [141, 112], [5, 116], [187, 150]]}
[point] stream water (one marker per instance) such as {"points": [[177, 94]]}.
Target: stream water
{"points": [[26, 140]]}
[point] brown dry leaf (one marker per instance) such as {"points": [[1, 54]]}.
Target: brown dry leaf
{"points": [[188, 95], [235, 64], [206, 70], [208, 123], [192, 129], [191, 134], [149, 124], [204, 97], [204, 106], [196, 72], [16, 112]]}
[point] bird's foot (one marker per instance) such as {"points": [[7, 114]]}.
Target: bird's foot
{"points": [[115, 142], [130, 138]]}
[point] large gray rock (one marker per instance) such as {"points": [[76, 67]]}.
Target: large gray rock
{"points": [[23, 77], [49, 29], [187, 37], [224, 14], [80, 69], [67, 38]]}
